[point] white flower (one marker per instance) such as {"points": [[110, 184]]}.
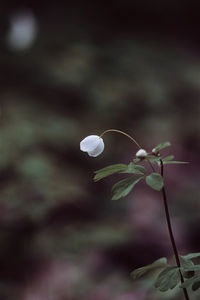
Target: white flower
{"points": [[141, 153], [93, 145]]}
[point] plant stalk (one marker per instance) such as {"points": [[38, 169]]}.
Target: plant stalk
{"points": [[122, 132], [171, 232]]}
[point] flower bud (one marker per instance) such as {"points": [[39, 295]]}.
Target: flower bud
{"points": [[141, 153], [93, 145], [155, 151]]}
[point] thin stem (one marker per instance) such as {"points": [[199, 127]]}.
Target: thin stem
{"points": [[119, 131], [130, 137], [171, 232]]}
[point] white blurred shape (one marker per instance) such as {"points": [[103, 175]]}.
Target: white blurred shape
{"points": [[23, 30], [93, 145]]}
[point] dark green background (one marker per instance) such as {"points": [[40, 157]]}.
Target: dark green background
{"points": [[129, 65]]}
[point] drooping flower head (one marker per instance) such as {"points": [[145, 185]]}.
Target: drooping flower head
{"points": [[93, 145]]}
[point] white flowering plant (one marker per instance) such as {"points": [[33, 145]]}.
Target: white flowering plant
{"points": [[184, 272]]}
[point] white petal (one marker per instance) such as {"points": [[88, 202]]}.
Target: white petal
{"points": [[90, 143], [98, 150], [141, 153]]}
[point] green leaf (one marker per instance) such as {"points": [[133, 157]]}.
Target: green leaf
{"points": [[185, 269], [107, 171], [186, 263], [191, 281], [174, 162], [168, 279], [153, 159], [159, 263], [191, 255], [123, 187], [188, 270], [170, 157], [155, 181], [161, 146], [136, 160], [135, 169], [191, 268], [168, 160]]}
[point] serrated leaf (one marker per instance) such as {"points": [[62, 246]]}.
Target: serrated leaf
{"points": [[186, 264], [168, 279], [123, 187], [191, 255], [155, 181], [161, 146], [191, 281], [191, 268], [159, 263], [135, 169], [107, 171]]}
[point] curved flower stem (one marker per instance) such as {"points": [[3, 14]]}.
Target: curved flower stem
{"points": [[130, 137], [171, 232], [119, 131]]}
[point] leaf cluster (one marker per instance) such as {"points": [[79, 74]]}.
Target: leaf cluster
{"points": [[191, 272], [124, 186], [170, 276], [137, 172]]}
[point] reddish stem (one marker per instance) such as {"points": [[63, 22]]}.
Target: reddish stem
{"points": [[171, 232]]}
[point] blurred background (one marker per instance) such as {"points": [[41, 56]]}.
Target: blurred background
{"points": [[71, 69]]}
